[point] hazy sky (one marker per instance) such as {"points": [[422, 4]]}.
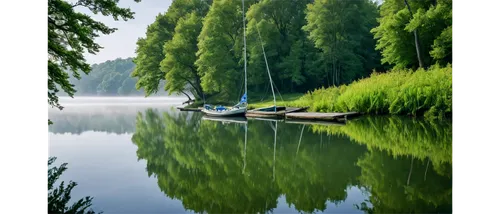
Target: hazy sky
{"points": [[121, 43]]}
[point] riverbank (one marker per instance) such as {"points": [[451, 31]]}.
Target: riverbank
{"points": [[400, 92]]}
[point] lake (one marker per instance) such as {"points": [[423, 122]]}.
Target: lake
{"points": [[138, 155]]}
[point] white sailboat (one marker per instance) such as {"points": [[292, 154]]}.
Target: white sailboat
{"points": [[241, 107]]}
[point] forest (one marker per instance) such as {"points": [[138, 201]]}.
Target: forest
{"points": [[110, 78], [196, 46]]}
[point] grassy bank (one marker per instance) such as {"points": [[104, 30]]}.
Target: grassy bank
{"points": [[401, 92]]}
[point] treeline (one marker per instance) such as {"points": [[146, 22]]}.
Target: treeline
{"points": [[110, 78], [197, 45]]}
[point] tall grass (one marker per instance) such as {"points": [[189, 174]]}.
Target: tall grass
{"points": [[403, 92]]}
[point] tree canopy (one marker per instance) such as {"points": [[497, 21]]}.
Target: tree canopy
{"points": [[298, 55], [196, 46], [432, 18], [70, 34], [109, 78], [308, 44]]}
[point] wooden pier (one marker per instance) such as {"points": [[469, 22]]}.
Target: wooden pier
{"points": [[336, 117], [271, 114], [189, 109]]}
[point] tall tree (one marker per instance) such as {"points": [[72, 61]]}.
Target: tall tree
{"points": [[341, 29], [432, 18], [180, 55], [149, 55], [287, 48], [220, 44], [415, 34], [150, 51], [70, 34], [178, 64]]}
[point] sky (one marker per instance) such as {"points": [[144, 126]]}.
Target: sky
{"points": [[122, 43]]}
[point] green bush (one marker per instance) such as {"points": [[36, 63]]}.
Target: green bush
{"points": [[402, 92]]}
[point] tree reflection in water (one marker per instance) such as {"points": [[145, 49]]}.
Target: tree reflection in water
{"points": [[210, 167]]}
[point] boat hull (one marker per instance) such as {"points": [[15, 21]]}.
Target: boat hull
{"points": [[228, 113]]}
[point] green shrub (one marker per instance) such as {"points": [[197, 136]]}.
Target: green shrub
{"points": [[403, 92]]}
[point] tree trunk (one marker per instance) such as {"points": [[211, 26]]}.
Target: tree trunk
{"points": [[415, 34], [338, 73], [333, 73], [187, 95], [327, 76]]}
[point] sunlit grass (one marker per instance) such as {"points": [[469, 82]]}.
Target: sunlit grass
{"points": [[284, 100], [403, 92], [399, 92]]}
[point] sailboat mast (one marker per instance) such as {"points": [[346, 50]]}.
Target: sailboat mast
{"points": [[267, 67], [245, 46]]}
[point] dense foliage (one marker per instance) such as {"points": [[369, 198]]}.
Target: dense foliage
{"points": [[406, 92], [433, 21], [108, 78], [70, 34], [295, 34], [308, 44], [196, 48]]}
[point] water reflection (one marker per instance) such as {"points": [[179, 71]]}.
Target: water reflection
{"points": [[77, 118], [404, 165]]}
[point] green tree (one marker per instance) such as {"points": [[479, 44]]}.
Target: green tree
{"points": [[341, 29], [59, 196], [108, 78], [127, 87], [70, 34], [394, 34], [220, 44], [150, 50], [289, 53], [180, 55]]}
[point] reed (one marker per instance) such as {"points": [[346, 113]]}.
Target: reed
{"points": [[400, 92]]}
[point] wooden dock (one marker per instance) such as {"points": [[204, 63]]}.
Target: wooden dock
{"points": [[272, 114], [336, 117], [189, 109]]}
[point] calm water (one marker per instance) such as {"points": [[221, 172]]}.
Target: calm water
{"points": [[143, 156]]}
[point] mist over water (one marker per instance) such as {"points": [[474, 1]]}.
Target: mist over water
{"points": [[120, 101], [142, 155]]}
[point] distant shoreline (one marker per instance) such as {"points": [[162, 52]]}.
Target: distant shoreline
{"points": [[119, 97]]}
